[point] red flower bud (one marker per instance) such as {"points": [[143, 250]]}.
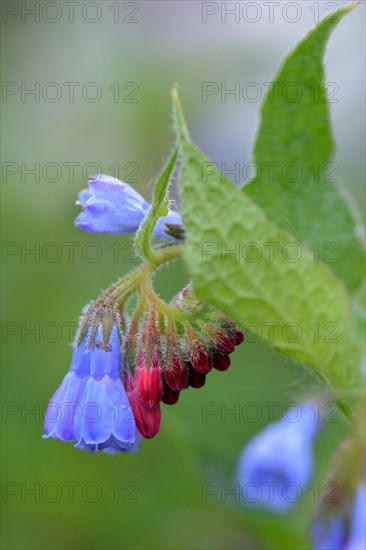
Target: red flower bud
{"points": [[150, 381], [177, 376], [201, 360], [221, 361], [238, 337], [196, 379], [147, 420], [170, 397], [224, 342]]}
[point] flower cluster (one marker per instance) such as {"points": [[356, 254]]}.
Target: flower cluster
{"points": [[161, 362], [122, 370], [91, 406]]}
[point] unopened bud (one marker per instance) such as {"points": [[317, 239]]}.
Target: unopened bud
{"points": [[147, 420], [177, 376], [196, 379], [221, 361], [170, 397], [150, 381], [224, 342], [238, 337], [200, 360]]}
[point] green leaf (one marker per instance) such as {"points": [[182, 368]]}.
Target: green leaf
{"points": [[293, 152], [276, 297]]}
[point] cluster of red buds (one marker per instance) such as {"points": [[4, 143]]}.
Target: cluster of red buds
{"points": [[166, 354]]}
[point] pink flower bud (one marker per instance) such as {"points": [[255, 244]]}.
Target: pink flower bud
{"points": [[177, 376]]}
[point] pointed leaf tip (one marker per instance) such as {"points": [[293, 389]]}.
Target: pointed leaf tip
{"points": [[180, 122]]}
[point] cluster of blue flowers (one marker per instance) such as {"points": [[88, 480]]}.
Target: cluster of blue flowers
{"points": [[123, 369], [91, 406]]}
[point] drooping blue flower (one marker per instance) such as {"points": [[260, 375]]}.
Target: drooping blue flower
{"points": [[329, 533], [357, 536], [91, 406], [276, 465], [343, 527], [112, 206], [60, 414]]}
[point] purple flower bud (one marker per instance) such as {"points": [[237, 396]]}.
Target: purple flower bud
{"points": [[93, 406], [111, 206], [276, 465]]}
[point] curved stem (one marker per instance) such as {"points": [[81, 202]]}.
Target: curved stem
{"points": [[124, 285], [158, 208], [168, 254]]}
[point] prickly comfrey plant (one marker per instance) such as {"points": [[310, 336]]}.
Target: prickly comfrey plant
{"points": [[125, 366]]}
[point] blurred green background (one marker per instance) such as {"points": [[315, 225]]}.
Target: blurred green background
{"points": [[160, 501]]}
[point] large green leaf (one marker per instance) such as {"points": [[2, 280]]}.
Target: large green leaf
{"points": [[295, 178], [278, 298]]}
